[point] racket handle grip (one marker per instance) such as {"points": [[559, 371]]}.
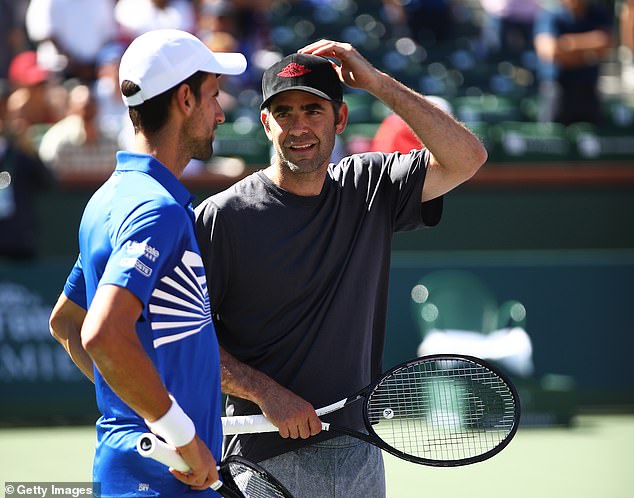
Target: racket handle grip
{"points": [[252, 424], [149, 446], [247, 424]]}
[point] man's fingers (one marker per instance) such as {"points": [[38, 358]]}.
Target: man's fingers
{"points": [[197, 481], [315, 426]]}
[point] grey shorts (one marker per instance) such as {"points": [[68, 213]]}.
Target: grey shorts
{"points": [[342, 467]]}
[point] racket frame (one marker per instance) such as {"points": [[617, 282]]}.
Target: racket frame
{"points": [[375, 439]]}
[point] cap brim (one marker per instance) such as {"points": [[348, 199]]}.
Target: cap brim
{"points": [[308, 89], [230, 63]]}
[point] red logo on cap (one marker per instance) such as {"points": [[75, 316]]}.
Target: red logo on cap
{"points": [[293, 70]]}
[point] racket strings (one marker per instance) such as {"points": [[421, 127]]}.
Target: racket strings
{"points": [[251, 481], [443, 410]]}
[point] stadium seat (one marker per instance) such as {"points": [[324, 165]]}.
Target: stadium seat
{"points": [[605, 142], [360, 107], [244, 139], [487, 108], [454, 300], [457, 313], [516, 142]]}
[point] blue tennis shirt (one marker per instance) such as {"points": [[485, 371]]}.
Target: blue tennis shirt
{"points": [[137, 232]]}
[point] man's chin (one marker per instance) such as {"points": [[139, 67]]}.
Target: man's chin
{"points": [[204, 155]]}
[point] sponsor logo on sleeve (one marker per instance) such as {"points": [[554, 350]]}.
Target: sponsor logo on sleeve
{"points": [[134, 248], [138, 265]]}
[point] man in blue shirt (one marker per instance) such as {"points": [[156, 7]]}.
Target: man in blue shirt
{"points": [[571, 41], [147, 329]]}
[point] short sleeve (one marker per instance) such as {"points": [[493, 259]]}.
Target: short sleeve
{"points": [[407, 173], [75, 286]]}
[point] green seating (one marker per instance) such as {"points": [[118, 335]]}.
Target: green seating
{"points": [[593, 143], [488, 108], [518, 142], [459, 300], [243, 139]]}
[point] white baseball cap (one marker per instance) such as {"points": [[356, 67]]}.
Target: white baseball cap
{"points": [[161, 59]]}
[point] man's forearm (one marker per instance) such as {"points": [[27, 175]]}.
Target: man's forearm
{"points": [[241, 380], [454, 148], [579, 49], [65, 326], [294, 416], [79, 356]]}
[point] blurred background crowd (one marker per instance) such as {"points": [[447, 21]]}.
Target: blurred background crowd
{"points": [[550, 79]]}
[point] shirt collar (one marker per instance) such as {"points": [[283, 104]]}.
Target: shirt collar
{"points": [[131, 161]]}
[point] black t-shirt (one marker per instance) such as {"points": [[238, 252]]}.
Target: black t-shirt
{"points": [[298, 285]]}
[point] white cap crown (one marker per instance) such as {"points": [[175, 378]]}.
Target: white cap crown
{"points": [[161, 59]]}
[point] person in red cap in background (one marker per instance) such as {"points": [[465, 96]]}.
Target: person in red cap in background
{"points": [[31, 101], [395, 135]]}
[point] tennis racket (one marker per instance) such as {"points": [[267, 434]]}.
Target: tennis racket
{"points": [[240, 478], [440, 410]]}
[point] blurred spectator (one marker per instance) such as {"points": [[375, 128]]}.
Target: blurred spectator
{"points": [[428, 21], [75, 143], [34, 102], [221, 41], [507, 25], [394, 135], [136, 17], [217, 16], [626, 48], [248, 24], [627, 25], [12, 36], [571, 41], [22, 176], [112, 113], [70, 33]]}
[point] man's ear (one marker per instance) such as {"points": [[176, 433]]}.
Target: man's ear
{"points": [[264, 119], [185, 99], [342, 119]]}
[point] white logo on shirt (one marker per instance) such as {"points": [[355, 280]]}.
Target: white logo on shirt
{"points": [[138, 265], [134, 248], [179, 306]]}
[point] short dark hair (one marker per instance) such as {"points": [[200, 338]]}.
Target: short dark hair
{"points": [[151, 115]]}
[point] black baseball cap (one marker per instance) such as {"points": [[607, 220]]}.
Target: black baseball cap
{"points": [[310, 73]]}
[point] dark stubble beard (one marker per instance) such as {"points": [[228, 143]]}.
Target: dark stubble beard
{"points": [[199, 148], [203, 151], [306, 167]]}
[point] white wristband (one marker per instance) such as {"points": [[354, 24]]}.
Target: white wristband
{"points": [[175, 426]]}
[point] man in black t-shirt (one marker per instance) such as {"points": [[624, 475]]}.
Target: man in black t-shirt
{"points": [[297, 258]]}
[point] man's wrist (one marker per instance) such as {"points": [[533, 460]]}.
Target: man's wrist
{"points": [[175, 426]]}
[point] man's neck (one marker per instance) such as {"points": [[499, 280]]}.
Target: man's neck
{"points": [[303, 184], [164, 152]]}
